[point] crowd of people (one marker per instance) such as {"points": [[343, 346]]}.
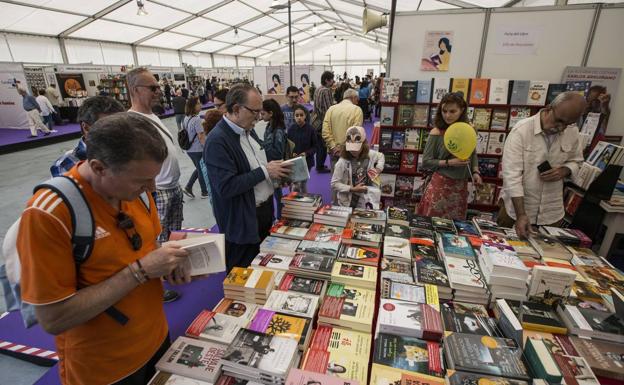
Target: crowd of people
{"points": [[124, 154]]}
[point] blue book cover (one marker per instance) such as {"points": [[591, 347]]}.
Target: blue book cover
{"points": [[581, 87], [456, 246], [423, 92]]}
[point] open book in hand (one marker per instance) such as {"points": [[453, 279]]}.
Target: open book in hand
{"points": [[206, 253], [298, 172]]}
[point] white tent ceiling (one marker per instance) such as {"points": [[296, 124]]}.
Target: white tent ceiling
{"points": [[229, 27]]}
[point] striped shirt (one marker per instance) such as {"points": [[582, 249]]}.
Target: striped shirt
{"points": [[525, 148]]}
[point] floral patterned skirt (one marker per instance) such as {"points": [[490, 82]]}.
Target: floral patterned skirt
{"points": [[445, 197]]}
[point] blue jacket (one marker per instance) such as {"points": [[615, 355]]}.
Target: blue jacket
{"points": [[232, 183], [274, 143]]}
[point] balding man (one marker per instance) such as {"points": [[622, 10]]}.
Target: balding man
{"points": [[338, 118], [534, 197]]}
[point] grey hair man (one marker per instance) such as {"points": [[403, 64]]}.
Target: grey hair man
{"points": [[338, 119], [144, 92], [33, 111], [539, 153], [240, 176]]}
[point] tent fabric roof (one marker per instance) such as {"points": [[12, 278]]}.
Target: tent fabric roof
{"points": [[229, 27]]}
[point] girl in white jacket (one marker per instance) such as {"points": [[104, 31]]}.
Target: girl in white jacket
{"points": [[356, 174]]}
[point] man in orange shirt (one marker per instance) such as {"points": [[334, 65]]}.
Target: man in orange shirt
{"points": [[124, 154]]}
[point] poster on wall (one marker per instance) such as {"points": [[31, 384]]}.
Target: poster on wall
{"points": [[517, 39], [436, 54], [12, 115], [71, 85], [275, 79], [607, 77], [302, 82]]}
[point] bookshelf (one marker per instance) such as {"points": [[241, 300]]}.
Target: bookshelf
{"points": [[117, 87], [492, 122]]}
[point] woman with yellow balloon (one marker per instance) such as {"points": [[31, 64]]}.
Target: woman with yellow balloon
{"points": [[451, 159]]}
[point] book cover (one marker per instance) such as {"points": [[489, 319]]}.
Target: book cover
{"points": [[387, 184], [398, 140], [386, 375], [304, 377], [408, 162], [397, 248], [423, 91], [499, 119], [484, 193], [463, 317], [460, 85], [541, 361], [431, 271], [457, 377], [193, 358], [290, 228], [298, 304], [390, 89], [298, 172], [606, 359], [456, 246], [440, 88], [419, 188], [412, 139], [537, 316], [212, 326], [242, 310], [278, 245], [325, 249], [271, 261], [432, 115], [404, 186], [349, 306], [516, 114], [323, 233], [405, 115], [164, 378], [407, 94], [247, 278], [387, 116], [465, 274], [295, 283], [302, 199], [482, 142], [409, 353], [393, 161], [397, 269], [465, 228], [549, 247], [499, 89], [496, 143], [479, 91], [316, 265], [282, 325], [555, 89], [488, 167], [519, 92], [409, 319], [356, 275], [548, 282], [481, 118], [580, 87], [443, 225], [408, 292], [385, 142], [485, 354], [421, 116], [538, 90]]}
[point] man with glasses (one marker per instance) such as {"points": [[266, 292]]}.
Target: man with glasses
{"points": [[106, 312], [539, 153], [292, 96], [240, 176], [219, 100]]}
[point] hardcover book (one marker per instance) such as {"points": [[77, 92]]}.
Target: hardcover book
{"points": [[398, 140], [408, 162], [423, 92], [482, 142], [461, 85], [407, 353], [555, 89], [499, 89], [485, 355], [440, 88], [387, 116], [386, 140], [390, 89], [538, 90], [499, 119], [488, 167], [519, 92], [412, 139], [421, 116], [407, 94], [387, 184], [481, 118], [479, 91], [516, 114], [393, 161], [193, 358], [496, 143]]}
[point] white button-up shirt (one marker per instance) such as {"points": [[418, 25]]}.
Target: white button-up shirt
{"points": [[525, 148], [257, 158]]}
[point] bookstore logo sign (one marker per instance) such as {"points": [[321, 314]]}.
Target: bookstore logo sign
{"points": [[517, 40]]}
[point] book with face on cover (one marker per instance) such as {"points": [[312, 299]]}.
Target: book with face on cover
{"points": [[244, 311], [298, 304], [193, 358], [301, 284]]}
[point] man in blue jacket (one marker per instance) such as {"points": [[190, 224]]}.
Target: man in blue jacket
{"points": [[240, 177]]}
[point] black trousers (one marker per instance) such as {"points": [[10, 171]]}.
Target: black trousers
{"points": [[143, 375], [321, 152], [242, 254]]}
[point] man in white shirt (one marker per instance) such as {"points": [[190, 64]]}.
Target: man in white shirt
{"points": [[534, 197], [55, 99], [47, 110]]}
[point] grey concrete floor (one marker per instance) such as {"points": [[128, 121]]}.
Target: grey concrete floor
{"points": [[19, 172]]}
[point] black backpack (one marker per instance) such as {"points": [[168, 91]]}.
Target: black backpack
{"points": [[183, 137]]}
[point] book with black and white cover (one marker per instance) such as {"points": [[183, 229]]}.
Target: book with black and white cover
{"points": [[432, 272], [409, 319], [290, 228], [333, 215], [487, 226], [370, 216], [302, 284], [398, 231], [465, 275], [362, 234], [315, 266], [550, 281], [463, 317], [301, 199], [482, 142], [217, 327], [397, 248], [549, 247], [486, 355], [206, 253], [587, 322], [440, 88], [359, 254], [508, 323], [193, 358], [260, 357], [604, 358], [409, 292], [278, 245], [299, 304], [537, 316], [397, 269], [321, 249], [563, 235]]}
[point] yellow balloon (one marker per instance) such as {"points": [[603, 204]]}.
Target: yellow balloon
{"points": [[460, 139]]}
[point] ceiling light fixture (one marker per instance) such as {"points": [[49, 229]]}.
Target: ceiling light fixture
{"points": [[275, 4], [141, 8], [335, 38], [314, 28], [236, 33]]}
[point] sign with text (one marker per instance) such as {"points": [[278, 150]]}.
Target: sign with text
{"points": [[517, 40]]}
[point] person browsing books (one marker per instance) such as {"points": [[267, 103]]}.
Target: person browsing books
{"points": [[292, 97], [539, 153], [304, 137], [274, 140], [107, 312], [446, 191], [241, 177], [355, 181]]}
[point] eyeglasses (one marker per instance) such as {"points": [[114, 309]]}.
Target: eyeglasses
{"points": [[125, 223], [151, 88], [252, 110]]}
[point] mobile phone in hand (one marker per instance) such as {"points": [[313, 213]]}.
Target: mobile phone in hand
{"points": [[544, 166]]}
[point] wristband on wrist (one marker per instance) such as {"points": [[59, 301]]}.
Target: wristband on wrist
{"points": [[142, 270], [136, 275]]}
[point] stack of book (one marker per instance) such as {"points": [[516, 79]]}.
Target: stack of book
{"points": [[294, 303], [359, 254], [465, 276], [409, 319], [290, 228], [192, 358], [279, 246], [312, 266], [549, 247], [260, 357], [283, 325], [373, 217], [333, 215], [504, 272], [252, 285], [348, 307], [301, 206], [272, 262], [355, 275], [363, 234]]}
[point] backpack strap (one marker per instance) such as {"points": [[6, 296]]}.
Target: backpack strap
{"points": [[83, 225], [145, 200]]}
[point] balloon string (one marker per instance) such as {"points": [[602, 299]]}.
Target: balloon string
{"points": [[471, 177]]}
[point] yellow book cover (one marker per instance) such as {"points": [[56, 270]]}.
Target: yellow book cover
{"points": [[336, 364], [461, 85], [386, 375], [238, 276], [342, 341], [279, 324], [349, 303], [431, 294], [358, 275]]}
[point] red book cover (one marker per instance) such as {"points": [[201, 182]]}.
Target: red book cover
{"points": [[199, 323], [316, 361], [479, 89], [332, 307], [408, 162]]}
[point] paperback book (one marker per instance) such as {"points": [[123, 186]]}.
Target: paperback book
{"points": [[408, 353], [348, 306], [409, 319], [193, 358]]}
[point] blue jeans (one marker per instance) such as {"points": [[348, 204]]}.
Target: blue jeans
{"points": [[197, 174], [48, 120], [179, 119]]}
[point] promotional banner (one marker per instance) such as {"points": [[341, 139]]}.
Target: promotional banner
{"points": [[517, 40], [71, 85], [275, 80], [12, 114], [437, 48], [302, 82], [607, 77]]}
